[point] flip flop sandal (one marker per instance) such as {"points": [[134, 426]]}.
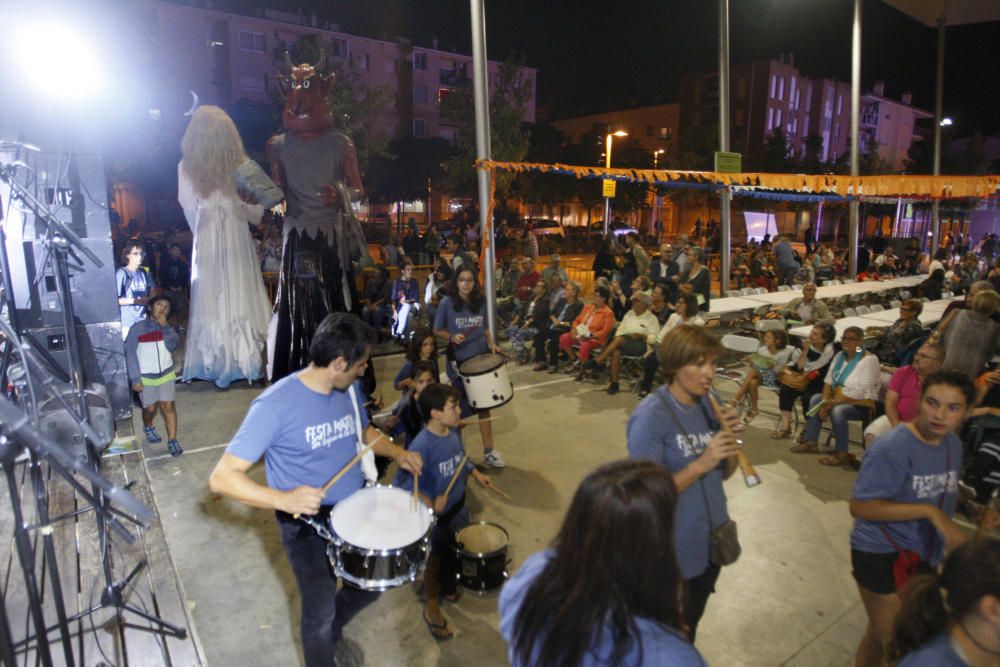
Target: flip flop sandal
{"points": [[439, 632], [749, 416], [805, 448]]}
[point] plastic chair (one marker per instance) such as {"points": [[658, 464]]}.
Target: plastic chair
{"points": [[770, 325], [895, 303], [733, 292], [849, 312], [876, 308], [947, 295], [760, 290], [848, 281], [797, 287], [862, 310], [784, 288], [747, 291], [924, 299]]}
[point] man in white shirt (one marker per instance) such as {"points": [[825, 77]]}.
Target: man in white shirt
{"points": [[637, 330]]}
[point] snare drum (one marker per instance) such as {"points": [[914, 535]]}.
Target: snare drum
{"points": [[482, 550], [486, 382], [378, 539]]}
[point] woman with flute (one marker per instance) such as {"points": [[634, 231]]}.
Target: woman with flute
{"points": [[677, 426]]}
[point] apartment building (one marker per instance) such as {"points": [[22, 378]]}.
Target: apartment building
{"points": [[770, 94], [226, 57], [654, 127]]}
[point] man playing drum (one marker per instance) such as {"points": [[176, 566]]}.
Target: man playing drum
{"points": [[306, 428]]}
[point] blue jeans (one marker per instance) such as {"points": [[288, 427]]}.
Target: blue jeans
{"points": [[839, 418], [325, 611]]}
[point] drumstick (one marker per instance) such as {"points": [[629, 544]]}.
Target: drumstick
{"points": [[496, 490], [454, 477], [750, 476], [350, 464]]}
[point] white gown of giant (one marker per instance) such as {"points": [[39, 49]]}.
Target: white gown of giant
{"points": [[227, 327]]}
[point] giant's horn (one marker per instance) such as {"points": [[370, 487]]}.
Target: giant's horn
{"points": [[321, 63], [288, 61]]}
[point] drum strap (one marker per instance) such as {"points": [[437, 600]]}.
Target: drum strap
{"points": [[368, 468]]}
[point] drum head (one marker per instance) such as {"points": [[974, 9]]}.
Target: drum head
{"points": [[482, 538], [380, 517], [482, 363]]}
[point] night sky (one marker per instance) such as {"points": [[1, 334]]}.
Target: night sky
{"points": [[598, 56]]}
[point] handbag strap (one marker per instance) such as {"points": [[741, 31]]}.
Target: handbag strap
{"points": [[680, 425]]}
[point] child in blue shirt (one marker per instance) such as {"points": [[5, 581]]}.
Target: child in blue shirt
{"points": [[407, 418], [441, 449]]}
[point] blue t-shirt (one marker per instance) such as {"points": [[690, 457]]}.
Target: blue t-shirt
{"points": [[901, 468], [441, 455], [656, 645], [407, 368], [654, 434], [938, 652], [132, 285], [304, 436], [471, 324]]}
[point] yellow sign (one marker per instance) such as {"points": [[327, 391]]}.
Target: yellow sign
{"points": [[728, 163], [609, 187]]}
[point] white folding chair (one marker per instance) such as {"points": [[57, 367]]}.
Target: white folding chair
{"points": [[746, 291], [733, 292], [895, 303], [770, 325], [947, 295], [876, 308], [797, 287], [924, 299], [848, 281], [784, 288], [850, 312], [862, 310], [760, 290]]}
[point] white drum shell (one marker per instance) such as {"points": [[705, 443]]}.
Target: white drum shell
{"points": [[486, 389]]}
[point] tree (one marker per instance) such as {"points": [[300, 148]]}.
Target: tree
{"points": [[509, 138], [404, 171], [811, 162], [775, 154]]}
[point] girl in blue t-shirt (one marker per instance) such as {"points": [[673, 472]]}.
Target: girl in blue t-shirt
{"points": [[461, 320], [952, 619], [422, 347], [596, 597], [903, 502]]}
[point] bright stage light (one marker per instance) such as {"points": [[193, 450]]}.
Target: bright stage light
{"points": [[58, 62]]}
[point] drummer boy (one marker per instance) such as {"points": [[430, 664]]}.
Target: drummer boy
{"points": [[441, 448], [306, 428]]}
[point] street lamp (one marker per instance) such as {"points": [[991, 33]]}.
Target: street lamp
{"points": [[656, 157], [607, 165], [946, 121]]}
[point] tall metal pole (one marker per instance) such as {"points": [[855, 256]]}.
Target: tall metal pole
{"points": [[727, 194], [607, 165], [938, 113], [852, 231], [483, 152]]}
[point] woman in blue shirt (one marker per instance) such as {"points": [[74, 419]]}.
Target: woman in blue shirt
{"points": [[677, 427], [903, 502], [596, 597], [952, 619]]}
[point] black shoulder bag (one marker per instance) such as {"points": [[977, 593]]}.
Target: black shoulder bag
{"points": [[723, 541]]}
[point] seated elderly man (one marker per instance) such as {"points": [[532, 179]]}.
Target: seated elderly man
{"points": [[902, 396], [807, 308], [850, 390], [523, 291], [554, 269], [637, 331]]}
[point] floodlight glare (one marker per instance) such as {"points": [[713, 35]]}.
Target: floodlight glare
{"points": [[945, 122], [58, 62]]}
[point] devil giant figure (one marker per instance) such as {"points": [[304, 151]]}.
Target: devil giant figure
{"points": [[318, 170]]}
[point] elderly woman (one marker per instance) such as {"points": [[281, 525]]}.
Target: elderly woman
{"points": [[561, 317], [903, 331], [971, 335], [590, 329], [529, 319], [807, 308], [850, 390], [697, 279], [813, 362]]}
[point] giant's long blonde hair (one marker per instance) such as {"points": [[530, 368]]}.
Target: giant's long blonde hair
{"points": [[211, 150]]}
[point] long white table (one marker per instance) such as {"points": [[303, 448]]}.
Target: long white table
{"points": [[731, 304], [862, 322], [931, 314]]}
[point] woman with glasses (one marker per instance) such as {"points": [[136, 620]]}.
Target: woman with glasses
{"points": [[903, 331], [135, 286], [850, 390]]}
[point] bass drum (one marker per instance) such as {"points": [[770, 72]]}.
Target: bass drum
{"points": [[482, 552], [486, 381]]}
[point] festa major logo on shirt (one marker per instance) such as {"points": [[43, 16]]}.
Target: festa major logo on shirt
{"points": [[693, 445], [446, 468], [326, 433], [468, 322], [931, 486]]}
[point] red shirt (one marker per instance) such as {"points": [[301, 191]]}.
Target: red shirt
{"points": [[526, 284], [906, 383]]}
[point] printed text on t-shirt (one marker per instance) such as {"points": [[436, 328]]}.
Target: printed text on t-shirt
{"points": [[325, 434], [693, 445], [468, 322], [930, 486]]}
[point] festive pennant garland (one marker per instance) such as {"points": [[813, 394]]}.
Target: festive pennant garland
{"points": [[930, 187]]}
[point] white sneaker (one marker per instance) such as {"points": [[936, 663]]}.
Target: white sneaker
{"points": [[494, 459]]}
